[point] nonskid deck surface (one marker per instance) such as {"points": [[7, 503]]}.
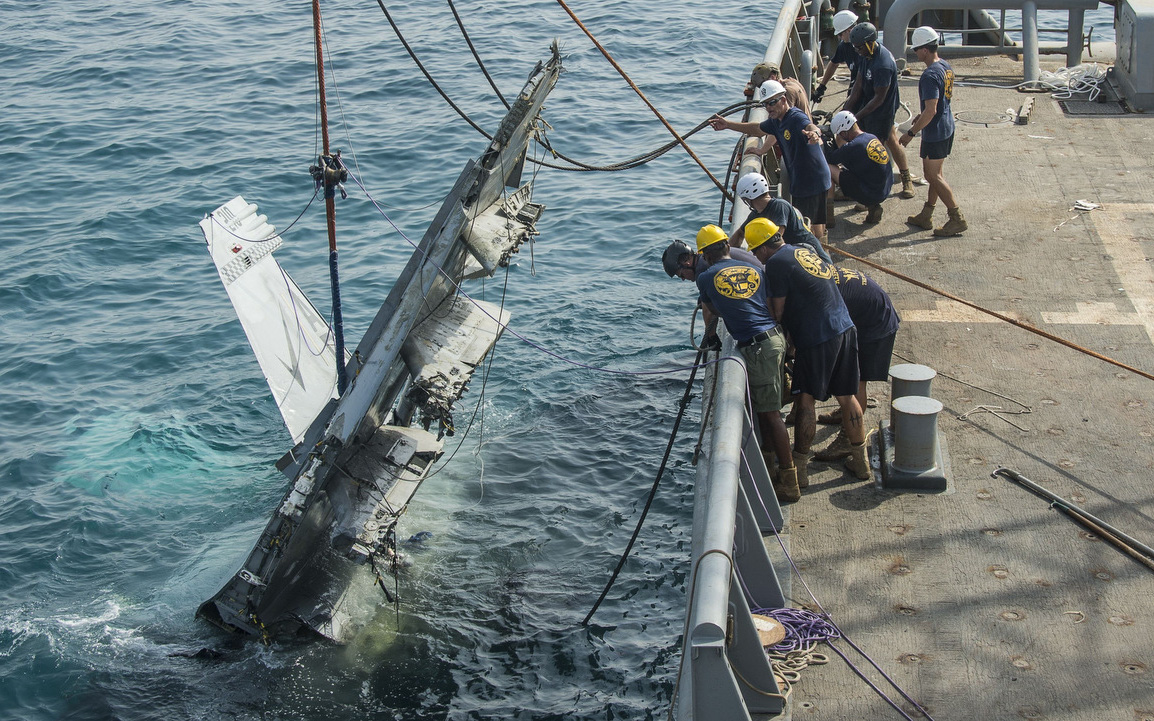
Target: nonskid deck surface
{"points": [[983, 602]]}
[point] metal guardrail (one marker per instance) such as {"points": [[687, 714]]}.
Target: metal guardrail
{"points": [[725, 673], [897, 17]]}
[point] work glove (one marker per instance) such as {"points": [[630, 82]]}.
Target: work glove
{"points": [[711, 342], [818, 94]]}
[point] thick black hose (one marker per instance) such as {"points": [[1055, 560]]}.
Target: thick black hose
{"points": [[653, 491]]}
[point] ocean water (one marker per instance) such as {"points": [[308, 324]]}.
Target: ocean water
{"points": [[137, 435]]}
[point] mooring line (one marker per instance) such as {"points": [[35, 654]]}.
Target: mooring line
{"points": [[640, 94], [1000, 316]]}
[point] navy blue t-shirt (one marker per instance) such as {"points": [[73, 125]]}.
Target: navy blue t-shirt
{"points": [[846, 54], [814, 310], [808, 173], [868, 304], [937, 81], [737, 291], [736, 253], [784, 215], [879, 71], [867, 158]]}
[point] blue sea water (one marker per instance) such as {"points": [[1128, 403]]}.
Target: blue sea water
{"points": [[137, 435]]}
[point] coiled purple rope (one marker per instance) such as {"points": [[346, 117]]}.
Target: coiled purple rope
{"points": [[803, 629]]}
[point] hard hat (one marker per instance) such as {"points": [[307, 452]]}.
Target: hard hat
{"points": [[843, 21], [752, 185], [759, 230], [923, 36], [709, 235], [671, 259], [769, 89], [862, 34], [842, 121]]}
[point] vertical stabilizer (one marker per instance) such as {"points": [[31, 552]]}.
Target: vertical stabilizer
{"points": [[291, 340]]}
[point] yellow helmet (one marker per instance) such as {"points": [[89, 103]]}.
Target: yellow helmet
{"points": [[759, 230], [709, 235]]}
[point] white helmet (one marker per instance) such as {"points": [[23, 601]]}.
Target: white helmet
{"points": [[923, 36], [842, 121], [769, 89], [843, 21], [752, 185]]}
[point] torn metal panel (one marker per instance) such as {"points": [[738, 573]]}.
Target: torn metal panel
{"points": [[497, 233]]}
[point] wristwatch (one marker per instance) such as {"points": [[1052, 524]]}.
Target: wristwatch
{"points": [[911, 133]]}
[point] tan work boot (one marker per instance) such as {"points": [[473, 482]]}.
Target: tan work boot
{"points": [[801, 463], [833, 418], [907, 185], [956, 225], [858, 462], [924, 219], [785, 485], [874, 215], [839, 449]]}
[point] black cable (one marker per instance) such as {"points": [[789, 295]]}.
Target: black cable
{"points": [[476, 56], [429, 77], [653, 491], [581, 167]]}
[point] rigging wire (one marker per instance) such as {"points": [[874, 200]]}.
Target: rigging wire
{"points": [[476, 56], [1000, 316], [682, 405], [640, 94]]}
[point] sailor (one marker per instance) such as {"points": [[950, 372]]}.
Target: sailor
{"points": [[936, 124], [844, 53], [794, 92], [805, 299], [737, 292], [799, 140], [876, 320], [680, 261], [861, 165], [874, 98], [753, 189]]}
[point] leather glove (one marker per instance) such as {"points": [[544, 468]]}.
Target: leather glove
{"points": [[711, 342], [818, 94]]}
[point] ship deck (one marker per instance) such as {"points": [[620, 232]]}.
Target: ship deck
{"points": [[983, 602]]}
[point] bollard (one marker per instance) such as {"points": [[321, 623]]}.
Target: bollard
{"points": [[913, 457], [915, 433], [910, 379]]}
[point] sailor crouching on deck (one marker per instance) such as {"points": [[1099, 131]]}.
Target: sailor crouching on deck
{"points": [[800, 142], [736, 291], [861, 165], [753, 189], [805, 299], [936, 123]]}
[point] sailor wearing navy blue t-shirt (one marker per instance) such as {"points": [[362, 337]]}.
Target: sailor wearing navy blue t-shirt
{"points": [[800, 143], [861, 165], [874, 98], [737, 292], [805, 299], [936, 124], [843, 54]]}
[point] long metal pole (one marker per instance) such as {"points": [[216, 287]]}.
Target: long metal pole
{"points": [[1063, 503], [330, 205]]}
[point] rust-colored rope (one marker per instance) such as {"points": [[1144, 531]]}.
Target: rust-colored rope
{"points": [[640, 94], [999, 316]]}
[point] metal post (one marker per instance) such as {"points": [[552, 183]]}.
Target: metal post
{"points": [[1030, 69], [910, 379], [1074, 37], [915, 433]]}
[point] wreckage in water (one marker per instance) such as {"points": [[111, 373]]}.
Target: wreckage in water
{"points": [[360, 454]]}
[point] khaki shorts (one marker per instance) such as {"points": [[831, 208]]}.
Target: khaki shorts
{"points": [[763, 361]]}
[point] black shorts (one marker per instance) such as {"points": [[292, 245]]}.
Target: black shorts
{"points": [[937, 149], [873, 358], [828, 369], [851, 186], [878, 123], [811, 206]]}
